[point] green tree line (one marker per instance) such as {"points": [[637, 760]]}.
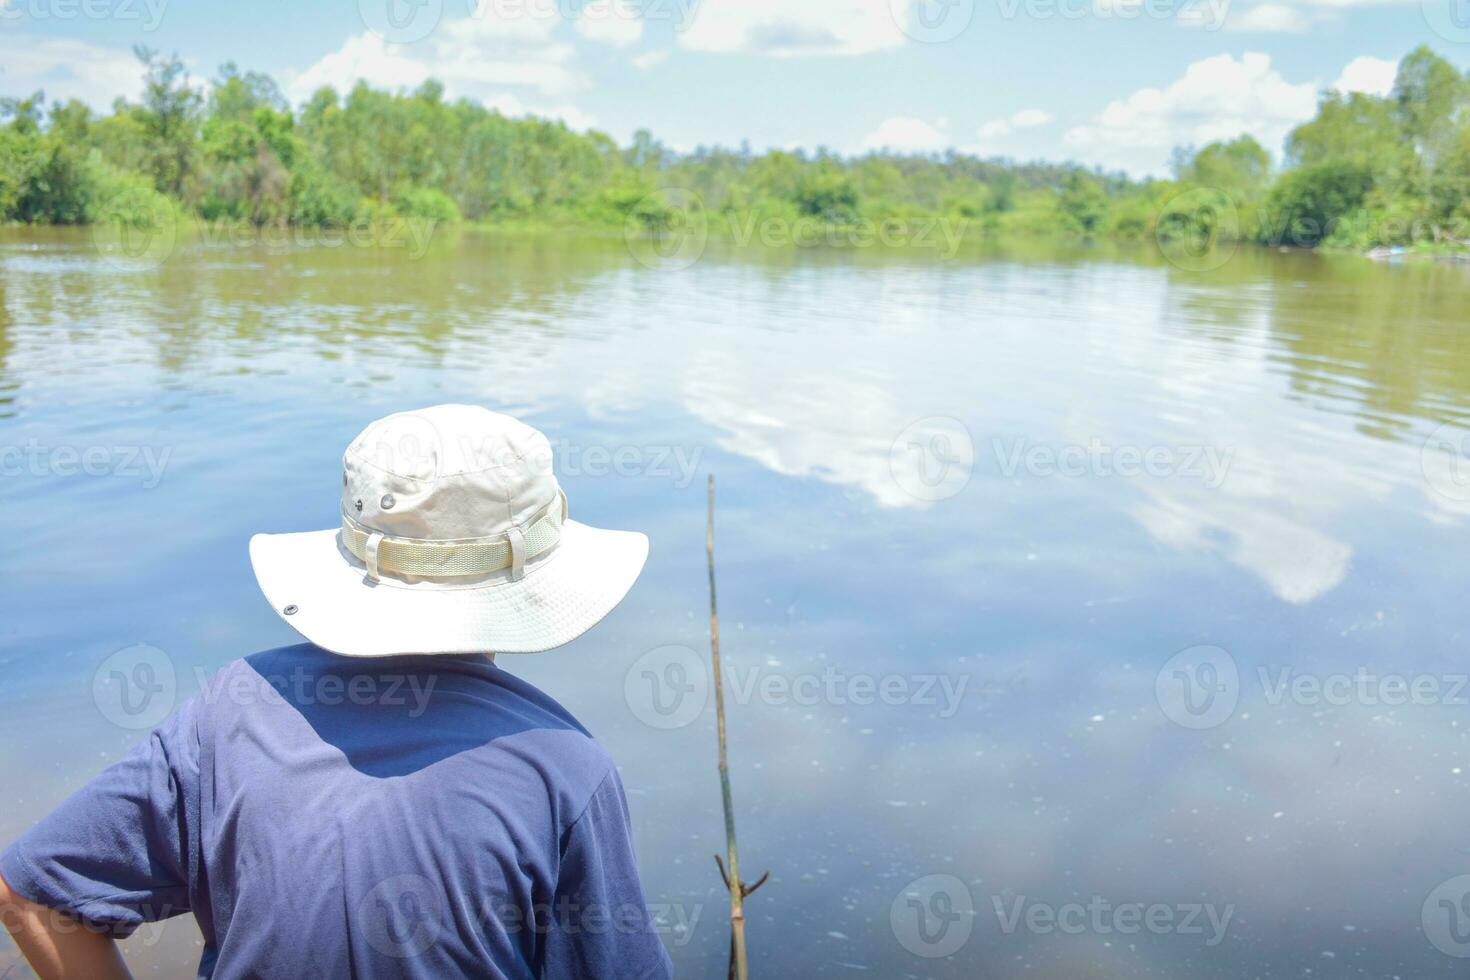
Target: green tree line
{"points": [[1366, 171]]}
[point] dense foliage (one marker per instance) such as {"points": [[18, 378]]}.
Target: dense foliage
{"points": [[1366, 171]]}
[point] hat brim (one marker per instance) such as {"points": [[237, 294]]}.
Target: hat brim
{"points": [[338, 608]]}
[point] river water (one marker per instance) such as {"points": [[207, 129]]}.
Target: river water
{"points": [[1084, 613]]}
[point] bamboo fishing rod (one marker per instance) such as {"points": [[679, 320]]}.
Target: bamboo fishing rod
{"points": [[738, 963]]}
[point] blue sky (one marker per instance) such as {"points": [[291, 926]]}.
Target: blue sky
{"points": [[1117, 83]]}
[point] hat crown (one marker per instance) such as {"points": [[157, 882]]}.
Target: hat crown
{"points": [[447, 472]]}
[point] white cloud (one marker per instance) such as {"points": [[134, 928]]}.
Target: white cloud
{"points": [[67, 69], [1374, 76], [1218, 98], [497, 45], [784, 28], [995, 129], [906, 134], [614, 22], [364, 57], [1269, 18], [1027, 118], [507, 104], [1274, 16], [649, 59]]}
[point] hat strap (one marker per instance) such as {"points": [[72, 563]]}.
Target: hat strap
{"points": [[459, 557], [370, 554]]}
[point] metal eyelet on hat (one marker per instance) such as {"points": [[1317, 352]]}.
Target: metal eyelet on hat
{"points": [[290, 610], [387, 502]]}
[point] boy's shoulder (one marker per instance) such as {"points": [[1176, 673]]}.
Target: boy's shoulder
{"points": [[465, 702]]}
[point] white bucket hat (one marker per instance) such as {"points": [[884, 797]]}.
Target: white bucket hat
{"points": [[454, 539]]}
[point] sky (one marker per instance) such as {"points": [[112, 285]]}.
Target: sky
{"points": [[1111, 83]]}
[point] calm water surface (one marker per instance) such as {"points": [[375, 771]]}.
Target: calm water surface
{"points": [[949, 618]]}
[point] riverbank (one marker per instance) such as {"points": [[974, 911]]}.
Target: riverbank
{"points": [[1355, 176]]}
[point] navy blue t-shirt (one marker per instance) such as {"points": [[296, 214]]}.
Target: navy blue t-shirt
{"points": [[327, 817]]}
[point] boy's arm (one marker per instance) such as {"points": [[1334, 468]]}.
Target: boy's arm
{"points": [[109, 858], [599, 925], [57, 946]]}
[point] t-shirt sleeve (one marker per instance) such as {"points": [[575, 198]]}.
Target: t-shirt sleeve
{"points": [[600, 924], [115, 854]]}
